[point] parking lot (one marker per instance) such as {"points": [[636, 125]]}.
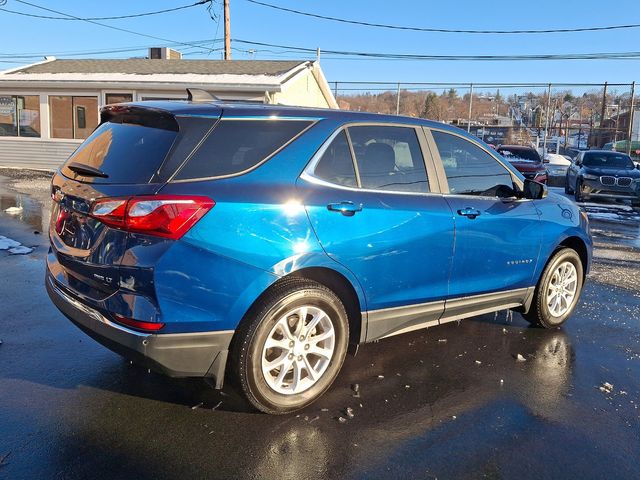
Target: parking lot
{"points": [[488, 397]]}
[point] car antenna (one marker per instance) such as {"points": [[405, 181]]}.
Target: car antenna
{"points": [[199, 95]]}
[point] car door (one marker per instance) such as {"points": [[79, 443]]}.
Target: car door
{"points": [[497, 236], [374, 211]]}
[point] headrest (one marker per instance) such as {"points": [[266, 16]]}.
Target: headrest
{"points": [[379, 159]]}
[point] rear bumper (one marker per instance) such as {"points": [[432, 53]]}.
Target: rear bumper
{"points": [[201, 354]]}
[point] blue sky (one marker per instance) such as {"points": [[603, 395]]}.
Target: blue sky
{"points": [[257, 23]]}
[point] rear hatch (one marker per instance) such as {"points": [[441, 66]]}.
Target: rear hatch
{"points": [[108, 225]]}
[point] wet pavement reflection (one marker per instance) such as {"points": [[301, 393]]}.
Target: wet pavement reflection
{"points": [[452, 401]]}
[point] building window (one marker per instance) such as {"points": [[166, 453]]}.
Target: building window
{"points": [[162, 99], [73, 117], [19, 115], [118, 98]]}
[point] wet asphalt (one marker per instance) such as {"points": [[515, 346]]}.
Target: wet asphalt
{"points": [[449, 402]]}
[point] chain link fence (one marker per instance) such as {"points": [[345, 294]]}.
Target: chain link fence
{"points": [[559, 117]]}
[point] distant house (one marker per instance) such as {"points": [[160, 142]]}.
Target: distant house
{"points": [[616, 128], [48, 108]]}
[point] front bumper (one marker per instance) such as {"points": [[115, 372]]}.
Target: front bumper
{"points": [[595, 189], [201, 354]]}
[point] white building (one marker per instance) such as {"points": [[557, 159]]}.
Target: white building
{"points": [[48, 108]]}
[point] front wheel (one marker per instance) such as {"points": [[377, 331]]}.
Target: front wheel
{"points": [[558, 290], [567, 188], [578, 193], [290, 347]]}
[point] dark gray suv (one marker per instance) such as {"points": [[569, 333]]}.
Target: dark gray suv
{"points": [[603, 174]]}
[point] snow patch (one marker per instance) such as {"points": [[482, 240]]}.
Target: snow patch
{"points": [[13, 210], [20, 250], [15, 248], [7, 243]]}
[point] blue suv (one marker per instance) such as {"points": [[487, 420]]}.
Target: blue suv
{"points": [[263, 242]]}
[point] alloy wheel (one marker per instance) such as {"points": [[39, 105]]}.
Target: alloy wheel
{"points": [[562, 288], [298, 350]]}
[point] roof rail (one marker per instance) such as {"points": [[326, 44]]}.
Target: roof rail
{"points": [[199, 95]]}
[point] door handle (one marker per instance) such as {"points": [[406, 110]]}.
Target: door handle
{"points": [[469, 212], [348, 209]]}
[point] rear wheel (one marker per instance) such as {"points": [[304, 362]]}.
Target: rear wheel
{"points": [[558, 290], [290, 347]]}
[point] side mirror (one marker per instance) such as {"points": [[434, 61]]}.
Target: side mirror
{"points": [[578, 163], [534, 190]]}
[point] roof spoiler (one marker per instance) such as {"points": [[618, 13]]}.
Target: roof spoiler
{"points": [[199, 95]]}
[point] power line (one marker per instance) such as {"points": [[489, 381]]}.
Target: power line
{"points": [[107, 26], [404, 56], [195, 43], [119, 17], [442, 30]]}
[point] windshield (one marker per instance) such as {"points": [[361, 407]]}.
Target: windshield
{"points": [[520, 154], [607, 160]]}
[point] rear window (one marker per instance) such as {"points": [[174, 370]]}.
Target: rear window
{"points": [[125, 152], [519, 154], [237, 145]]}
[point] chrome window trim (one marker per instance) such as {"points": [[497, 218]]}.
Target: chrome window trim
{"points": [[311, 179], [311, 121], [268, 118], [307, 173]]}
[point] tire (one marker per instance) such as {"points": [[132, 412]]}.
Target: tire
{"points": [[282, 307], [567, 188], [578, 192], [545, 314]]}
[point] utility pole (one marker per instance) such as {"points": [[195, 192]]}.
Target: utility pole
{"points": [[470, 107], [603, 112], [631, 108], [546, 122], [398, 100], [227, 31]]}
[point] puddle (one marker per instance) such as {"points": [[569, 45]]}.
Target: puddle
{"points": [[32, 212]]}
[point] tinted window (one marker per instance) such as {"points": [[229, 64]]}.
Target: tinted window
{"points": [[389, 158], [470, 170], [126, 152], [237, 145], [336, 164], [607, 160]]}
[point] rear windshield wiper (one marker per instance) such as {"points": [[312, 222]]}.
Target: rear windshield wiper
{"points": [[86, 170]]}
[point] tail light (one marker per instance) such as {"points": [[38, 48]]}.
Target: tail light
{"points": [[169, 216], [138, 324]]}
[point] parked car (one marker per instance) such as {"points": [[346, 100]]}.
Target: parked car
{"points": [[526, 160], [603, 174], [572, 152], [557, 166], [204, 238]]}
